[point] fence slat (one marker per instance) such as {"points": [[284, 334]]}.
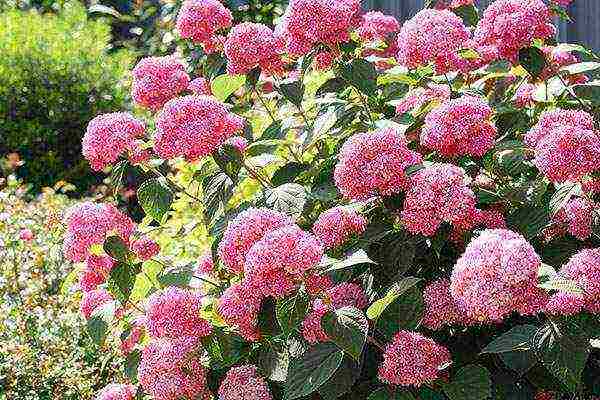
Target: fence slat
{"points": [[584, 28]]}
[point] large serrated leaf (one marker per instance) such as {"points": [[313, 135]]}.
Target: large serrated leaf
{"points": [[347, 327], [217, 190], [155, 197], [470, 383], [225, 85], [517, 339], [395, 291], [291, 311], [289, 199]]}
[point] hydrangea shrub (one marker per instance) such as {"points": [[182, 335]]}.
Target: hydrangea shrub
{"points": [[394, 211]]}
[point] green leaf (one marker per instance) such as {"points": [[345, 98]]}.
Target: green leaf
{"points": [[519, 361], [217, 190], [116, 247], [273, 131], [274, 361], [468, 14], [291, 311], [292, 91], [563, 354], [529, 220], [564, 193], [155, 198], [361, 74], [533, 60], [347, 327], [517, 339], [403, 314], [356, 258], [288, 198], [99, 322], [333, 85], [223, 348], [176, 276], [342, 380], [309, 372], [121, 280], [470, 383], [117, 173], [397, 290], [589, 92], [131, 365], [562, 285], [580, 68], [384, 394], [144, 282], [224, 85], [229, 159], [288, 173]]}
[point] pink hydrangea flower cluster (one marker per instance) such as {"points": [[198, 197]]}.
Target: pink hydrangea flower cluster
{"points": [[89, 224], [376, 25], [244, 383], [577, 216], [128, 343], [175, 312], [584, 269], [117, 392], [339, 296], [373, 163], [336, 225], [200, 86], [239, 306], [251, 45], [419, 97], [243, 231], [460, 127], [238, 142], [205, 264], [145, 248], [307, 23], [440, 307], [566, 145], [324, 60], [193, 127], [97, 269], [277, 262], [412, 359], [524, 95], [563, 3], [201, 20], [172, 370], [92, 300], [497, 275], [157, 80], [108, 136], [438, 193], [510, 25], [445, 4], [428, 35]]}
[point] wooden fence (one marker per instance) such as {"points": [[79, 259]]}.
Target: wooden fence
{"points": [[584, 28]]}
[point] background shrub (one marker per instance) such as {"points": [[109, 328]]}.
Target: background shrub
{"points": [[55, 75]]}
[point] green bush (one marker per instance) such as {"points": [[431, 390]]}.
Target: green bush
{"points": [[55, 75]]}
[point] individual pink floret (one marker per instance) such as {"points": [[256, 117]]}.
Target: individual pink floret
{"points": [[460, 127], [428, 35], [496, 276], [157, 80], [437, 194], [336, 225], [373, 163], [244, 383], [201, 20], [412, 360], [109, 136], [251, 45], [172, 370], [243, 231], [175, 312], [193, 127]]}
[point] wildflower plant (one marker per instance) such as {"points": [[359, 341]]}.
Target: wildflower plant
{"points": [[388, 214]]}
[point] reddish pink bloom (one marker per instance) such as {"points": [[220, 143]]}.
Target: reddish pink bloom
{"points": [[193, 127], [497, 275], [89, 224], [239, 306], [205, 264], [108, 136], [336, 225], [577, 216], [524, 95], [510, 25], [172, 370], [26, 235], [375, 25], [128, 344], [460, 127], [244, 383], [243, 231], [310, 22], [373, 163], [174, 313], [440, 308], [201, 20], [324, 60], [92, 300], [438, 193], [157, 80], [429, 35], [412, 360], [339, 296], [562, 303], [145, 248], [584, 269], [433, 94], [200, 86], [444, 4], [97, 269], [316, 284], [281, 258], [238, 142], [250, 45], [117, 392]]}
